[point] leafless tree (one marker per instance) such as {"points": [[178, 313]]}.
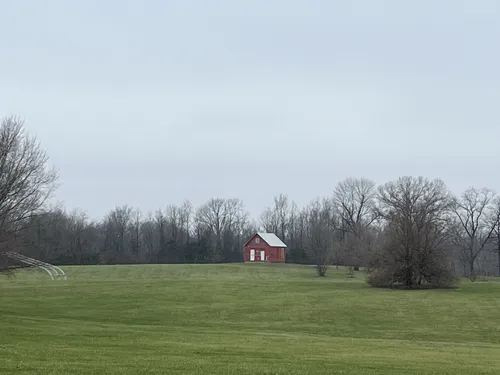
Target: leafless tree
{"points": [[48, 235], [149, 235], [276, 219], [135, 234], [355, 202], [282, 209], [417, 213], [177, 225], [269, 221], [160, 226], [185, 219], [476, 224], [292, 224], [222, 217], [117, 234], [77, 227], [320, 232], [172, 216], [495, 222], [26, 179], [300, 222]]}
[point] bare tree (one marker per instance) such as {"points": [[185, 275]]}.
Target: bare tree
{"points": [[222, 217], [476, 223], [172, 215], [320, 229], [185, 219], [355, 201], [117, 235], [416, 212], [282, 210], [77, 225], [275, 219], [292, 223], [26, 179], [177, 225], [160, 225], [148, 232], [47, 234], [135, 234], [269, 221], [495, 222]]}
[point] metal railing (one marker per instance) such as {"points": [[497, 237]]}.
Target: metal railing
{"points": [[54, 272]]}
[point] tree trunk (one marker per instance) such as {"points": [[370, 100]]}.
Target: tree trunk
{"points": [[321, 269], [498, 259], [471, 270]]}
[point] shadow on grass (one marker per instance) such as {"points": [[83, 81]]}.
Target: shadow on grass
{"points": [[415, 287]]}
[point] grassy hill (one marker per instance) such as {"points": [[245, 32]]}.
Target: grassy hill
{"points": [[241, 319]]}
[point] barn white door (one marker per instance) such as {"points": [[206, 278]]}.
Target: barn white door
{"points": [[262, 255], [252, 255]]}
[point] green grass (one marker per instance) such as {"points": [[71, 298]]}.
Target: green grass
{"points": [[241, 319]]}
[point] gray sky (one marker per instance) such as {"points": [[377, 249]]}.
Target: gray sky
{"points": [[151, 102]]}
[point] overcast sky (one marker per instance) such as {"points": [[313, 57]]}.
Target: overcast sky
{"points": [[150, 102]]}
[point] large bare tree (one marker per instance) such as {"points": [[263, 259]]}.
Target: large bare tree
{"points": [[355, 199], [355, 202], [416, 212], [26, 179], [476, 223]]}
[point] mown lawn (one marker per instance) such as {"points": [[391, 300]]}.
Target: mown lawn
{"points": [[241, 319]]}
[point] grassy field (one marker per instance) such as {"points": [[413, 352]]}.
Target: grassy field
{"points": [[241, 319]]}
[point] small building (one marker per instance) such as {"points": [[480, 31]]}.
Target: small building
{"points": [[264, 247]]}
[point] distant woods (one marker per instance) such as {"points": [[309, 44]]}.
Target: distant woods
{"points": [[409, 232]]}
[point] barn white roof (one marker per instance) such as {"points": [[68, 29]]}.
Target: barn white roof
{"points": [[271, 239]]}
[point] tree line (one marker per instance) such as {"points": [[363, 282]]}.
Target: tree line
{"points": [[411, 231]]}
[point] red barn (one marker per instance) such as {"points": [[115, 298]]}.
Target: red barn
{"points": [[264, 247]]}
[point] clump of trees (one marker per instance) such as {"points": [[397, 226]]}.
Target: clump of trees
{"points": [[416, 242], [411, 232]]}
